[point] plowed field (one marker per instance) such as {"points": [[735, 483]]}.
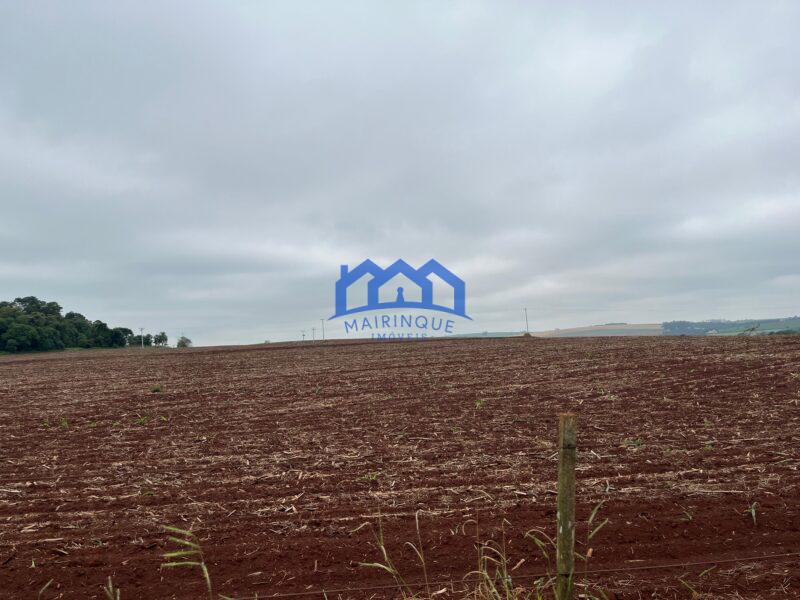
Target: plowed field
{"points": [[283, 458]]}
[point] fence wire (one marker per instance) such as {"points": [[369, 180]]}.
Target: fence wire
{"points": [[451, 583]]}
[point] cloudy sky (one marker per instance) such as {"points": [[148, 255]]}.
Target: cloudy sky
{"points": [[204, 167]]}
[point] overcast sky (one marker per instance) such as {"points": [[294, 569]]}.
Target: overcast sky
{"points": [[205, 167]]}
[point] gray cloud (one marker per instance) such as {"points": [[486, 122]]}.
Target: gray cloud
{"points": [[205, 167]]}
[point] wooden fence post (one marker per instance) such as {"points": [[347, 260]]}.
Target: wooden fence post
{"points": [[565, 519]]}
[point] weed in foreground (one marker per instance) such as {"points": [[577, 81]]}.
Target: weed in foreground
{"points": [[190, 555], [547, 548], [695, 593], [112, 592], [44, 588], [752, 510], [406, 591], [493, 578]]}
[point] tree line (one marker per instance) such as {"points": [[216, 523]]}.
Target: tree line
{"points": [[29, 324], [784, 325]]}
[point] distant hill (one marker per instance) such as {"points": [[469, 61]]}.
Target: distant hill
{"points": [[488, 334], [612, 329], [786, 325]]}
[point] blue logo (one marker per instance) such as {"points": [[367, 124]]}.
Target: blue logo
{"points": [[382, 277], [383, 293]]}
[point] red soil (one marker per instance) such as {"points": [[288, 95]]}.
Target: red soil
{"points": [[277, 456]]}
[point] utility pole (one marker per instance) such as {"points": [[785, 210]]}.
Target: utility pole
{"points": [[303, 333], [323, 328], [141, 336], [313, 334], [527, 330]]}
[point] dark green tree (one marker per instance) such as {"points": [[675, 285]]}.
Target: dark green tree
{"points": [[29, 324], [20, 337], [119, 336]]}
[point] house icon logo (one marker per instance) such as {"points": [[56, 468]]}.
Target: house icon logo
{"points": [[384, 293]]}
